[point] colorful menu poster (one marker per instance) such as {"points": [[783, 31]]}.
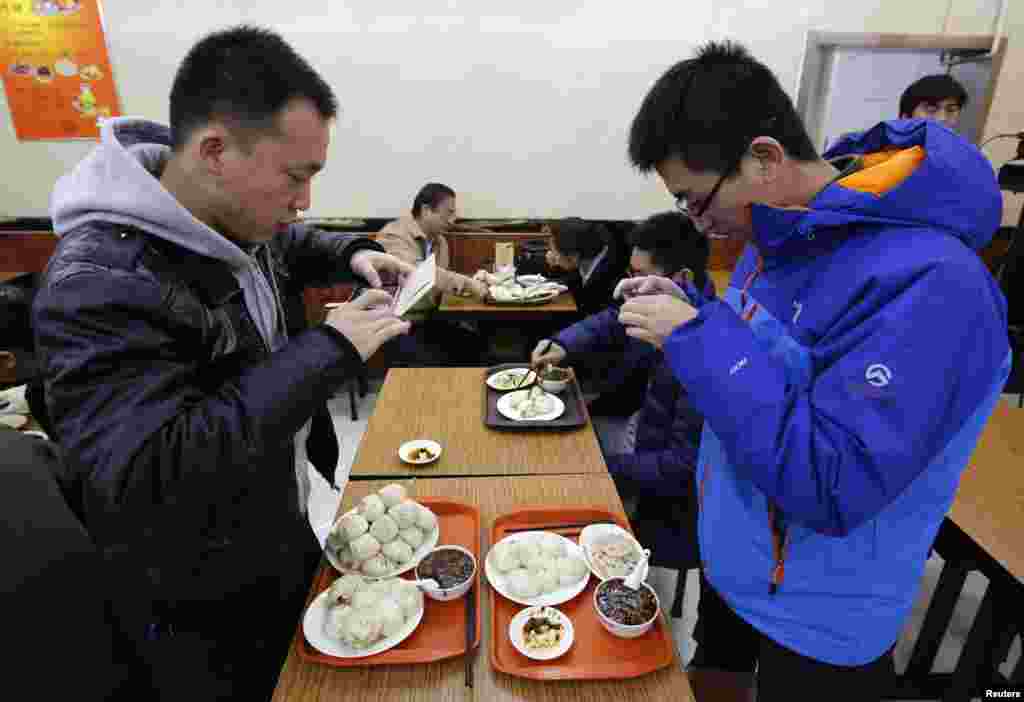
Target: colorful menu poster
{"points": [[56, 68]]}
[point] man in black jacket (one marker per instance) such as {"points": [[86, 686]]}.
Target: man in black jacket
{"points": [[178, 378]]}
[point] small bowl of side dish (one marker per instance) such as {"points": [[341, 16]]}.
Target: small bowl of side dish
{"points": [[624, 612], [555, 379], [419, 451], [453, 568], [541, 633]]}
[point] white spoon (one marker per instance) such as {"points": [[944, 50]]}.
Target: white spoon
{"points": [[639, 574]]}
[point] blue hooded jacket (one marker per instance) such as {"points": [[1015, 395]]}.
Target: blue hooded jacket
{"points": [[845, 377]]}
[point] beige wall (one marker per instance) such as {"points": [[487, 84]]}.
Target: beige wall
{"points": [[524, 113]]}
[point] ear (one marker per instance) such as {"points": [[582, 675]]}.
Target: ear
{"points": [[769, 158], [211, 145]]}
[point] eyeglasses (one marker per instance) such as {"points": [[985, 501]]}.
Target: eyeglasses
{"points": [[683, 203]]}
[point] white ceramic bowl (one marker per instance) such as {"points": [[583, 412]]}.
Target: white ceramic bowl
{"points": [[408, 446], [627, 631], [452, 593], [515, 634], [554, 386]]}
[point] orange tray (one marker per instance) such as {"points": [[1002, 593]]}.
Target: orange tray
{"points": [[442, 633], [595, 654]]}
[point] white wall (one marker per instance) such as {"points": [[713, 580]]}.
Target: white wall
{"points": [[525, 114]]}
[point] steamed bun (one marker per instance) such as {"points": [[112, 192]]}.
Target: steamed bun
{"points": [[344, 588], [506, 557], [390, 615], [409, 597], [392, 495], [570, 570], [366, 546], [527, 550], [336, 621], [426, 520], [522, 584], [361, 628], [547, 580], [397, 551], [552, 546], [384, 529], [376, 567], [353, 525], [371, 507], [405, 514], [412, 536]]}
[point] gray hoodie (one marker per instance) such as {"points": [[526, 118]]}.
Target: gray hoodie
{"points": [[118, 182]]}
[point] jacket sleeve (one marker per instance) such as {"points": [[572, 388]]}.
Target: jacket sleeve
{"points": [[318, 258], [666, 472], [404, 248], [144, 417], [597, 333], [907, 368]]}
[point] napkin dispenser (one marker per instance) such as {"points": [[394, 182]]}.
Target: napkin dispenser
{"points": [[504, 256]]}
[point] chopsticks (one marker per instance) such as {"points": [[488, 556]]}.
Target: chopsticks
{"points": [[470, 632], [527, 373]]}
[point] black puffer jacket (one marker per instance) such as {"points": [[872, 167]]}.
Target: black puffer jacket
{"points": [[175, 420]]}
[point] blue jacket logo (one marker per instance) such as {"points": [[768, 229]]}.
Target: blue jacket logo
{"points": [[878, 375]]}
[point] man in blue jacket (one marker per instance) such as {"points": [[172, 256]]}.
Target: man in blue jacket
{"points": [[845, 375], [178, 376]]}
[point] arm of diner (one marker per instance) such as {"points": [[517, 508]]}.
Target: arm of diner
{"points": [[319, 258]]}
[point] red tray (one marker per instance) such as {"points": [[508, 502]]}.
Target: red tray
{"points": [[442, 633], [596, 654]]}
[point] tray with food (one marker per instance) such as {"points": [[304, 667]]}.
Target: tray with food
{"points": [[606, 630], [357, 620], [532, 406]]}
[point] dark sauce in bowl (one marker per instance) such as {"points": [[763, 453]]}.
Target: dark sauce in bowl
{"points": [[625, 606], [448, 566]]}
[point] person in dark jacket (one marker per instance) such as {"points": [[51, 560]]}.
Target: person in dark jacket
{"points": [[586, 255], [177, 376], [651, 454]]}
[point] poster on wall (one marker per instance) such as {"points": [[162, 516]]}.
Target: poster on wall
{"points": [[56, 70]]}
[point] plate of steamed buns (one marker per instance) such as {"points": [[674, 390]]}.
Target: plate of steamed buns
{"points": [[358, 617], [385, 535], [537, 568]]}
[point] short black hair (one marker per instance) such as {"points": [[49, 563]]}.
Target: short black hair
{"points": [[244, 76], [673, 243], [931, 90], [431, 195], [706, 111], [578, 237]]}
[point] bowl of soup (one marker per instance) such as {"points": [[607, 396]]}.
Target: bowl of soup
{"points": [[453, 567], [625, 612], [554, 379]]}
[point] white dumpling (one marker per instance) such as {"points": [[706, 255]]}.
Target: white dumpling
{"points": [[539, 562], [409, 597], [384, 529], [334, 624], [527, 550], [397, 551], [522, 584], [366, 598], [570, 570], [390, 615], [404, 514], [344, 588], [337, 539], [366, 546], [372, 508], [506, 557], [426, 520], [547, 580], [552, 546], [412, 536], [392, 495], [345, 558], [354, 525], [377, 567], [361, 629]]}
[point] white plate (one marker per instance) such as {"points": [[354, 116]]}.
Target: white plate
{"points": [[313, 627], [429, 542], [594, 534], [504, 407], [492, 380], [532, 279], [404, 449], [563, 594], [515, 634]]}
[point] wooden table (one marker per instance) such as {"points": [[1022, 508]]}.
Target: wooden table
{"points": [[446, 405], [981, 533], [305, 682], [468, 308]]}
